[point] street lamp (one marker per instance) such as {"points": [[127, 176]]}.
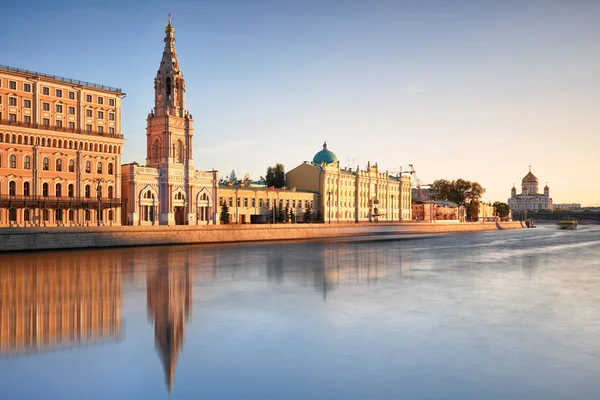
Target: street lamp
{"points": [[99, 195], [329, 205], [237, 204]]}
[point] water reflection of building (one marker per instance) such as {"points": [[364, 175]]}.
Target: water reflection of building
{"points": [[169, 307], [58, 301], [333, 266]]}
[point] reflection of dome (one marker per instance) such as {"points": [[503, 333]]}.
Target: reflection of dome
{"points": [[324, 156], [530, 178]]}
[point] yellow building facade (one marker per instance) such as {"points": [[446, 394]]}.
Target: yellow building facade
{"points": [[348, 195], [259, 204], [60, 150]]}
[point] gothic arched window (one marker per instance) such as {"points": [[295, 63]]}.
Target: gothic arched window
{"points": [[156, 149], [168, 88], [179, 151]]}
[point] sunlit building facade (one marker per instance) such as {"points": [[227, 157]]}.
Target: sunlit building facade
{"points": [[347, 195], [60, 150], [259, 205], [168, 190]]}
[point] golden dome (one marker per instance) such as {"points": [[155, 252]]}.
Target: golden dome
{"points": [[530, 178]]}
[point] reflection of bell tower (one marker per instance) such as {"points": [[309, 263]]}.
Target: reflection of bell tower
{"points": [[169, 130], [169, 306]]}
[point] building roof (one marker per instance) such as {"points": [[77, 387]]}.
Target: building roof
{"points": [[324, 156], [530, 178], [60, 79]]}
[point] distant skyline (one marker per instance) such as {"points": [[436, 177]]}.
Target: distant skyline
{"points": [[461, 89]]}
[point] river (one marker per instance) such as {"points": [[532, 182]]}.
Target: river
{"points": [[509, 314]]}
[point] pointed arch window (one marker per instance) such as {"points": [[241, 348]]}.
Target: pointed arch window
{"points": [[156, 149], [168, 88], [179, 151]]}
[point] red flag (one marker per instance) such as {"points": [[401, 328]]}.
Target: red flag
{"points": [[271, 188]]}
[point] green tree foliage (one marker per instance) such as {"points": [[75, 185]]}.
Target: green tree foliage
{"points": [[318, 218], [308, 214], [462, 192], [280, 214], [502, 209], [276, 176], [224, 214]]}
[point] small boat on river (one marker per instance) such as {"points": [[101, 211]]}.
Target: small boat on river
{"points": [[568, 224]]}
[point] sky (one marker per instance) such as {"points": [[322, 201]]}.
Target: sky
{"points": [[478, 90]]}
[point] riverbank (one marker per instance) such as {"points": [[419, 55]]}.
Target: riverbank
{"points": [[38, 238]]}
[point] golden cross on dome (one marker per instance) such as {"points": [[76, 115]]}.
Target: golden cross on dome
{"points": [[169, 17]]}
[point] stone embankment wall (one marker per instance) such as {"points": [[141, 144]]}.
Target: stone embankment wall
{"points": [[23, 239]]}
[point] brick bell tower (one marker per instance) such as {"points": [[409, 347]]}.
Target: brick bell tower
{"points": [[169, 136]]}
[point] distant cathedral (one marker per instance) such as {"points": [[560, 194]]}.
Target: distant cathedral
{"points": [[168, 190], [529, 199]]}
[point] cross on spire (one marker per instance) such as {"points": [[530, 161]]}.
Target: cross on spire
{"points": [[530, 168]]}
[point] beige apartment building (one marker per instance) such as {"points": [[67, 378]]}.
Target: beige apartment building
{"points": [[168, 190], [60, 150], [347, 195]]}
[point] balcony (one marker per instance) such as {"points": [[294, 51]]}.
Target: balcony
{"points": [[53, 202], [60, 129]]}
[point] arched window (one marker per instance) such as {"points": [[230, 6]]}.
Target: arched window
{"points": [[88, 167], [110, 192], [58, 215], [45, 189], [156, 149], [71, 215], [12, 214], [87, 191], [58, 190], [110, 168], [12, 188], [99, 190], [59, 164], [71, 191], [26, 215], [45, 164], [27, 162], [99, 168], [12, 161], [88, 215], [168, 91], [25, 188], [71, 165], [110, 215], [179, 151]]}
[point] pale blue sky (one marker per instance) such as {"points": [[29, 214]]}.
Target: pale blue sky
{"points": [[461, 89]]}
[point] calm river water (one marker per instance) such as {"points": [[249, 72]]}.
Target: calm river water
{"points": [[497, 315]]}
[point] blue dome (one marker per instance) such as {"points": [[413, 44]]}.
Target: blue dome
{"points": [[324, 156]]}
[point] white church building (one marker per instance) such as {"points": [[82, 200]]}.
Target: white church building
{"points": [[529, 199]]}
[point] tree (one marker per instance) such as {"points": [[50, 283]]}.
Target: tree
{"points": [[318, 218], [224, 213], [502, 209], [308, 214], [281, 214], [462, 192], [276, 176]]}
